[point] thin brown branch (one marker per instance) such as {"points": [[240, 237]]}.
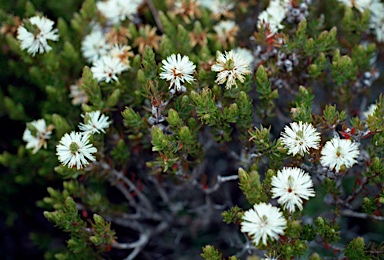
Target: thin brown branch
{"points": [[155, 14]]}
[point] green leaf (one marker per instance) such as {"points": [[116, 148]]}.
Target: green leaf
{"points": [[210, 253], [356, 250]]}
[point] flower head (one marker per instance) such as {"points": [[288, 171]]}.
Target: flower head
{"points": [[107, 68], [231, 66], [226, 32], [36, 134], [118, 10], [376, 22], [37, 41], [118, 35], [188, 10], [148, 37], [360, 5], [369, 112], [94, 122], [74, 150], [263, 221], [246, 54], [299, 137], [219, 7], [78, 94], [177, 70], [339, 152], [273, 16], [122, 52], [94, 45], [292, 185]]}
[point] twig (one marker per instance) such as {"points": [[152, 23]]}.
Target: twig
{"points": [[221, 180], [350, 213], [142, 241], [155, 14], [126, 194], [120, 176], [160, 190]]}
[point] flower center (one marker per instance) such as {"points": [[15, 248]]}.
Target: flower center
{"points": [[300, 137], [74, 147], [230, 64], [177, 73], [264, 221], [338, 151]]}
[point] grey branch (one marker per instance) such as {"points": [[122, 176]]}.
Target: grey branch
{"points": [[350, 213]]}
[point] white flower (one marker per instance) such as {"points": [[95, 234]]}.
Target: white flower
{"points": [[271, 257], [338, 152], [177, 70], [36, 134], [292, 185], [376, 22], [371, 109], [360, 5], [218, 7], [299, 137], [122, 52], [74, 150], [273, 16], [94, 123], [224, 29], [231, 66], [245, 54], [376, 7], [263, 221], [118, 10], [37, 41], [79, 95], [94, 45], [107, 68]]}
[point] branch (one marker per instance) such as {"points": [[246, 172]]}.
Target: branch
{"points": [[120, 176], [219, 181], [357, 191], [354, 214], [142, 241], [155, 14]]}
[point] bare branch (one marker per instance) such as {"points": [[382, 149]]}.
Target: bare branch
{"points": [[220, 180], [350, 213]]}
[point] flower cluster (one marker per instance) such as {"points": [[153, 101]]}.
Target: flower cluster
{"points": [[108, 60], [291, 186], [74, 149]]}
